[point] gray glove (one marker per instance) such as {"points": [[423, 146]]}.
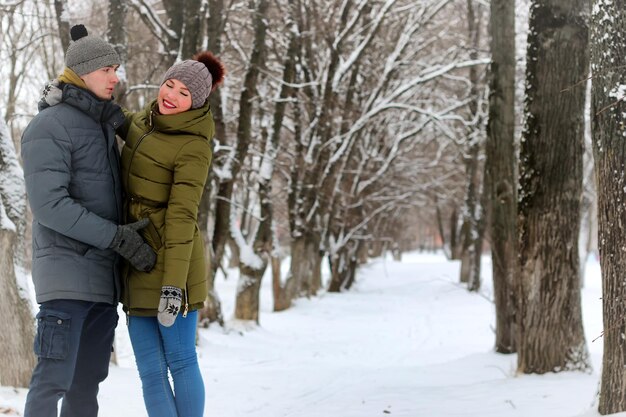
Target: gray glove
{"points": [[52, 94], [169, 305], [129, 243]]}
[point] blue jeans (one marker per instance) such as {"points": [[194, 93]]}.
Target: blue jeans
{"points": [[157, 349], [73, 346]]}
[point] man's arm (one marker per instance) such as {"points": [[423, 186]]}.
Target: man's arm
{"points": [[46, 154]]}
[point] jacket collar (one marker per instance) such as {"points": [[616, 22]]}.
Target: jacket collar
{"points": [[194, 122], [102, 111]]}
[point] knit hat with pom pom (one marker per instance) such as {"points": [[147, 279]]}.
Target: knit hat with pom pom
{"points": [[201, 75], [88, 53]]}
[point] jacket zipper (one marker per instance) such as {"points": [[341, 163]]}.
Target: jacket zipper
{"points": [[132, 155], [186, 301]]}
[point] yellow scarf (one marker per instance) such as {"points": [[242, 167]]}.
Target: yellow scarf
{"points": [[70, 77]]}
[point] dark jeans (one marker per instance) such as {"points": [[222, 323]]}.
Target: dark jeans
{"points": [[73, 346]]}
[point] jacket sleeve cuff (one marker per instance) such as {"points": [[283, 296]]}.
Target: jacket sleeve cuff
{"points": [[108, 236]]}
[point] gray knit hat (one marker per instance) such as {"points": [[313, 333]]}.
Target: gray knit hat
{"points": [[89, 53], [196, 77]]}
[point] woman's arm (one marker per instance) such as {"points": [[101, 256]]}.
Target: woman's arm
{"points": [[190, 174]]}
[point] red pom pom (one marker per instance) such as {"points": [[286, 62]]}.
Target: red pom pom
{"points": [[214, 65]]}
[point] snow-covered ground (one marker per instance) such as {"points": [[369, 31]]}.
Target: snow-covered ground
{"points": [[407, 341]]}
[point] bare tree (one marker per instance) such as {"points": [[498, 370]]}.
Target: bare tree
{"points": [[551, 336], [608, 58], [248, 288], [473, 210], [247, 306], [118, 37], [501, 170]]}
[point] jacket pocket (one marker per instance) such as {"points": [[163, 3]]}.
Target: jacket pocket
{"points": [[53, 334], [152, 236]]}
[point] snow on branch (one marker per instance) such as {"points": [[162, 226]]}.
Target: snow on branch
{"points": [[147, 13], [246, 253], [618, 92], [437, 72], [392, 155], [372, 215], [356, 54], [351, 23], [389, 102]]}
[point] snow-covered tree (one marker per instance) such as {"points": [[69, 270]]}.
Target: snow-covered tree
{"points": [[17, 329]]}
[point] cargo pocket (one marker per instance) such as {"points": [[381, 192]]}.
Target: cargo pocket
{"points": [[53, 334]]}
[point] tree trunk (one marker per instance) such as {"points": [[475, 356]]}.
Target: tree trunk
{"points": [[234, 260], [304, 255], [447, 250], [474, 202], [17, 331], [375, 249], [316, 278], [551, 336], [212, 311], [343, 267], [215, 23], [247, 304], [192, 35], [455, 245], [608, 53], [63, 22], [244, 133], [474, 282], [501, 171], [308, 278], [116, 35], [339, 270], [279, 294]]}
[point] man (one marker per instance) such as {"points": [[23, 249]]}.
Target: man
{"points": [[71, 167]]}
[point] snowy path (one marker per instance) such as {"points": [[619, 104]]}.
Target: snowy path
{"points": [[407, 341]]}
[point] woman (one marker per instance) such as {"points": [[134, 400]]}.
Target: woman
{"points": [[165, 162]]}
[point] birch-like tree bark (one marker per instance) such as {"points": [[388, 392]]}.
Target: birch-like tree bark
{"points": [[551, 336]]}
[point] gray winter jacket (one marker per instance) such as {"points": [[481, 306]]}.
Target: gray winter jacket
{"points": [[71, 167]]}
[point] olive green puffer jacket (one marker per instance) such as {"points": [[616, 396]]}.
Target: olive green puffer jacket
{"points": [[165, 162]]}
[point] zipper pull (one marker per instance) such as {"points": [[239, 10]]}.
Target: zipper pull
{"points": [[186, 305], [150, 118]]}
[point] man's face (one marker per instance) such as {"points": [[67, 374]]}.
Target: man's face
{"points": [[102, 81]]}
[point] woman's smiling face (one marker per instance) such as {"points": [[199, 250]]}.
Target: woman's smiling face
{"points": [[174, 97]]}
